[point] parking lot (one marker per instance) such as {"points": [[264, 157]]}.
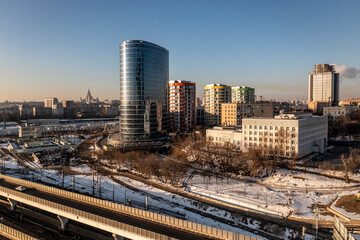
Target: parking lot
{"points": [[333, 156]]}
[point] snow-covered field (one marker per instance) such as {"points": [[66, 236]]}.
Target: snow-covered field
{"points": [[296, 179], [285, 193], [83, 168], [241, 193], [159, 200]]}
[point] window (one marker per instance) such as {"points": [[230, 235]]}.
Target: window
{"points": [[293, 129], [271, 128], [260, 127]]}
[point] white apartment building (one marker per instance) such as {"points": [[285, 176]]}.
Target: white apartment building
{"points": [[289, 133], [324, 84], [225, 134], [242, 94], [49, 102], [214, 96]]}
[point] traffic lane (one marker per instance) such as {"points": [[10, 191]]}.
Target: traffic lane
{"points": [[110, 214]]}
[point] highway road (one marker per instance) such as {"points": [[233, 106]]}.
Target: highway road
{"points": [[114, 215]]}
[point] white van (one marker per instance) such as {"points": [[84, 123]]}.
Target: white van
{"points": [[20, 188]]}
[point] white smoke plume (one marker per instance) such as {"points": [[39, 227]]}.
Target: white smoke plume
{"points": [[347, 72]]}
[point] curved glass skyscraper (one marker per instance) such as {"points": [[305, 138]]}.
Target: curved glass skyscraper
{"points": [[144, 81]]}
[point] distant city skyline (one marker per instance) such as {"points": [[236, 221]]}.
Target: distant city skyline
{"points": [[59, 49]]}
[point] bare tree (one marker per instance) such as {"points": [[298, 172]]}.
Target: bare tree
{"points": [[346, 168]]}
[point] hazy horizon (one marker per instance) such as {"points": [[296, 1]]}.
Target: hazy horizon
{"points": [[59, 49]]}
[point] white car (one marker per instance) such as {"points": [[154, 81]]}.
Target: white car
{"points": [[20, 188]]}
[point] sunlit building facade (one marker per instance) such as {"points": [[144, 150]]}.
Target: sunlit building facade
{"points": [[182, 105], [144, 81], [324, 85], [214, 96], [242, 94]]}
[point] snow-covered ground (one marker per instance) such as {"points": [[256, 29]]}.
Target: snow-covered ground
{"points": [[11, 162], [241, 193], [285, 193], [83, 168], [74, 139], [296, 179], [159, 201], [337, 173]]}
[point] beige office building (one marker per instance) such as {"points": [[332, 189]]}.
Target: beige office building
{"points": [[335, 112], [290, 134], [233, 113]]}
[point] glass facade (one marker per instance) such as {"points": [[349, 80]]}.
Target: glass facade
{"points": [[144, 81]]}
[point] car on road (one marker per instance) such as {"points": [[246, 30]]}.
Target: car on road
{"points": [[20, 188]]}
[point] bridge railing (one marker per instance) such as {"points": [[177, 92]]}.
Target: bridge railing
{"points": [[84, 217], [12, 233], [147, 215]]}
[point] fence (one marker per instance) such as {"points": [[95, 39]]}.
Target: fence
{"points": [[90, 219], [340, 231], [146, 215], [12, 233]]}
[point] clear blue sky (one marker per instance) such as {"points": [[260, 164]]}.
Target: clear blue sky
{"points": [[60, 48]]}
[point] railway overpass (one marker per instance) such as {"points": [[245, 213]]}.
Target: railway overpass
{"points": [[119, 220]]}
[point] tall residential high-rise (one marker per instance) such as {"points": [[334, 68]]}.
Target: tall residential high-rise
{"points": [[182, 105], [49, 102], [324, 84], [242, 94], [144, 82], [214, 95]]}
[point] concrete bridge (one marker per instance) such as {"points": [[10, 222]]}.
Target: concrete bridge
{"points": [[119, 220]]}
